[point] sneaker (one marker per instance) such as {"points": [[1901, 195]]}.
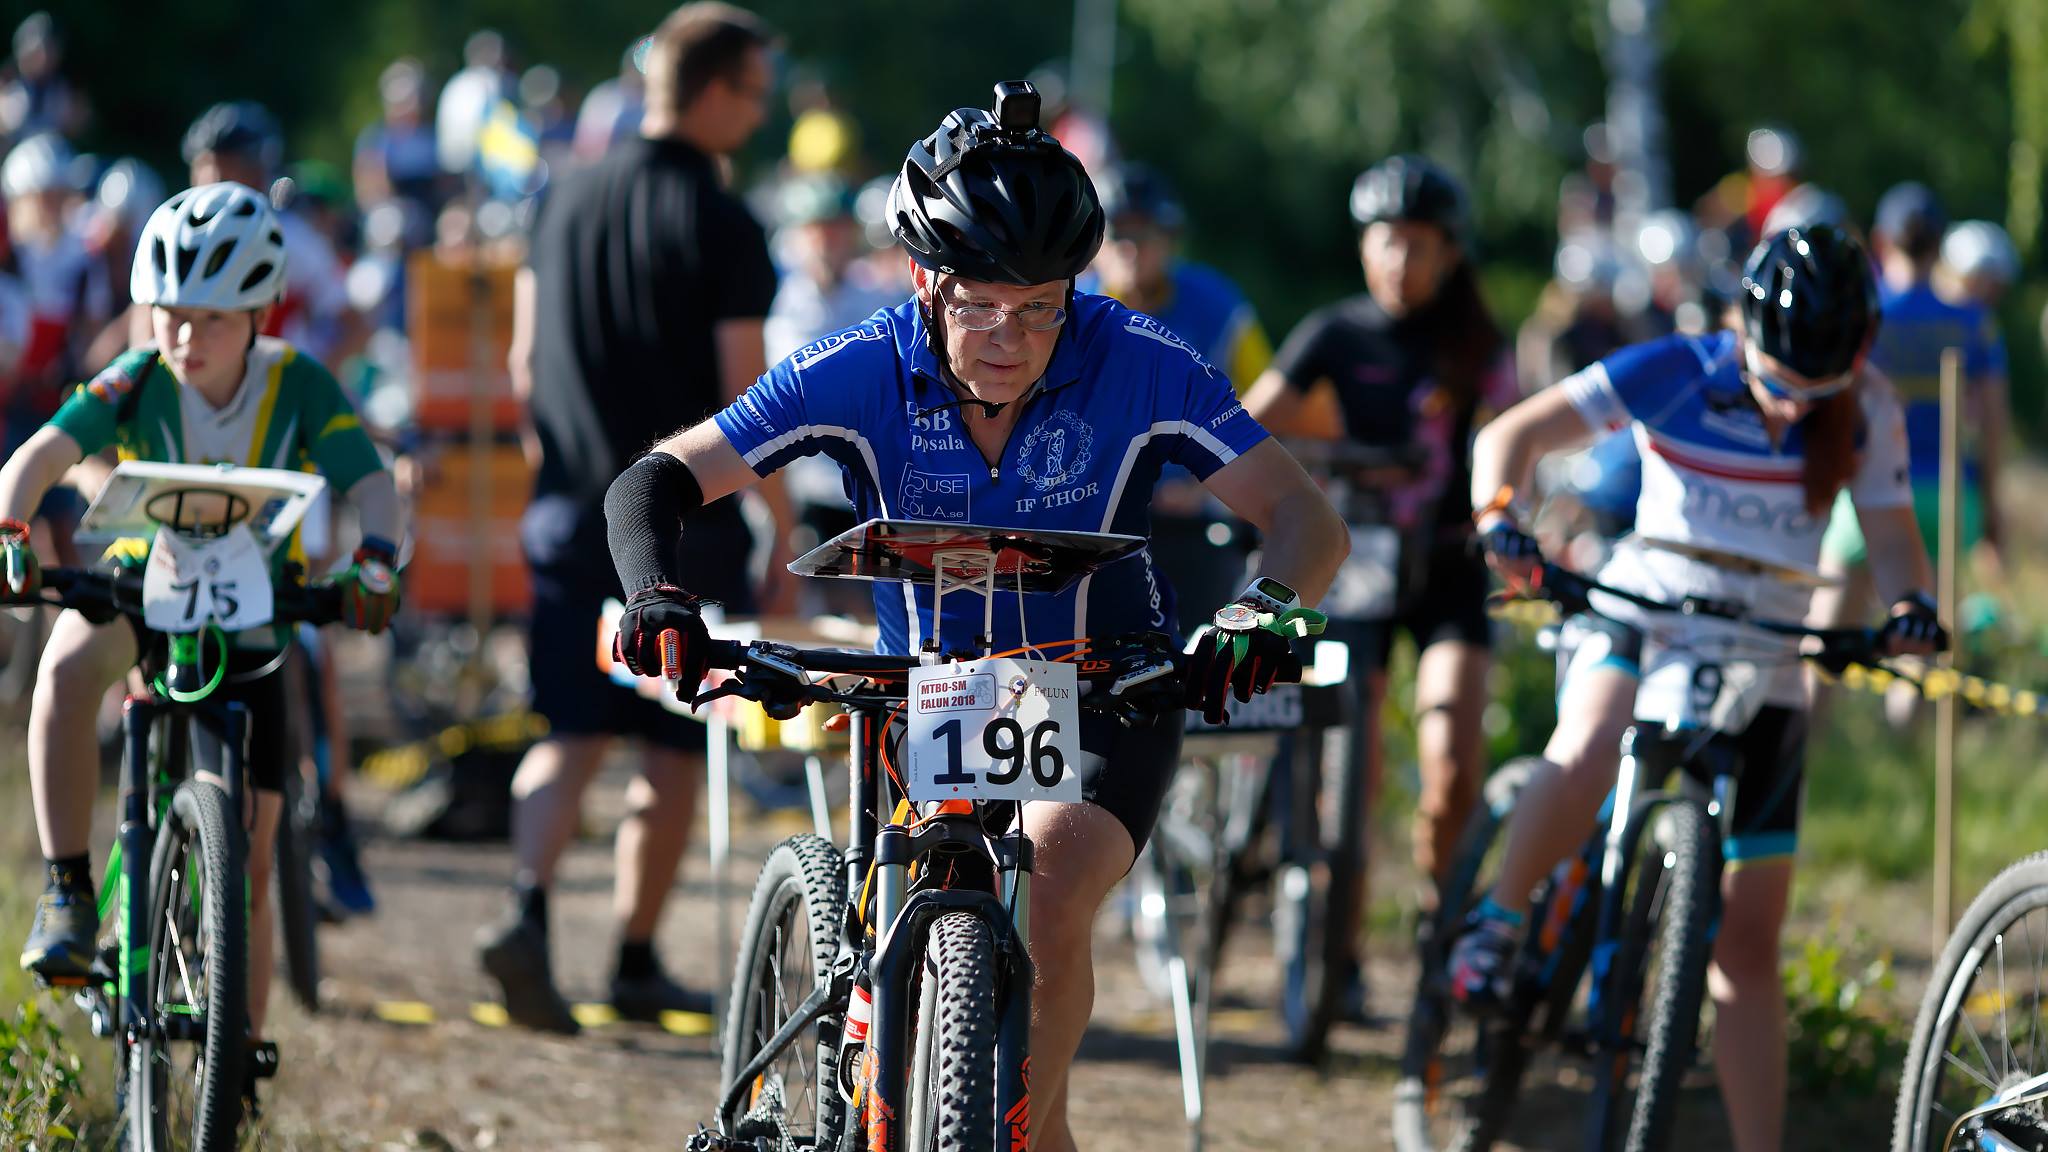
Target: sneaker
{"points": [[515, 954], [645, 998], [62, 945], [347, 887], [1479, 964]]}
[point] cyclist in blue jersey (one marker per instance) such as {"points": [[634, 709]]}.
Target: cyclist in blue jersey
{"points": [[1918, 326], [1141, 267], [999, 395], [1746, 438]]}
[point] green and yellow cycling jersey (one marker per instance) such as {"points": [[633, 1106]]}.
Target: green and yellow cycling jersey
{"points": [[288, 413]]}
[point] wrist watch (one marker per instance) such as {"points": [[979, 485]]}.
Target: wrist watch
{"points": [[1264, 596]]}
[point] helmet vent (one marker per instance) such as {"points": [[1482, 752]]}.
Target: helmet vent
{"points": [[218, 260], [186, 258], [256, 276], [246, 208]]}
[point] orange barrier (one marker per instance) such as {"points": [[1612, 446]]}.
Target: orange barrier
{"points": [[438, 579], [441, 313]]}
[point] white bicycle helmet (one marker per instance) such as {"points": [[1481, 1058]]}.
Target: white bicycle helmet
{"points": [[37, 164], [1979, 247], [217, 246]]}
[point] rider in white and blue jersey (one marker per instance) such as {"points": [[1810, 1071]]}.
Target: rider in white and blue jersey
{"points": [[999, 396], [1746, 436]]}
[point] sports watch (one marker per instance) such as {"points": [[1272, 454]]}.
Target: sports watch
{"points": [[1263, 596]]}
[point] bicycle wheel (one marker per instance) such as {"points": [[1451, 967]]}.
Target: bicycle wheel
{"points": [[298, 911], [1459, 1076], [786, 953], [186, 1073], [1673, 904], [952, 1085], [1979, 1035], [1316, 891]]}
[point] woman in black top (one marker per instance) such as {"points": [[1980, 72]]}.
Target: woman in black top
{"points": [[1406, 371]]}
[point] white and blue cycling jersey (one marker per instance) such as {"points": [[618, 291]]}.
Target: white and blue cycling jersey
{"points": [[1712, 477], [1122, 397]]}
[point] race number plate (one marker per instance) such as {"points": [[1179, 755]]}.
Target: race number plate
{"points": [[994, 730], [189, 583], [1682, 688], [1366, 585]]}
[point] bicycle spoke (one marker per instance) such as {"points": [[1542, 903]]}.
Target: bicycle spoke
{"points": [[1979, 1077], [2004, 1032], [1976, 1041]]}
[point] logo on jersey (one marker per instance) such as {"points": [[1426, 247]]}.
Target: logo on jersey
{"points": [[1057, 452], [1707, 501], [1142, 325], [931, 429], [111, 384], [934, 495], [754, 412], [813, 353]]}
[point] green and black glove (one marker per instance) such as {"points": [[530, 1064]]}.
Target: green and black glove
{"points": [[21, 574], [369, 589], [1246, 647]]}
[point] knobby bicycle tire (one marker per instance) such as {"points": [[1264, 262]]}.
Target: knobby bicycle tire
{"points": [[1319, 892], [802, 883], [198, 829], [1673, 907], [1430, 1021], [2012, 894], [956, 1036], [298, 911]]}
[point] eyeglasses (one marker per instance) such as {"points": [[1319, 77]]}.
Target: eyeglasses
{"points": [[988, 317], [1784, 390]]}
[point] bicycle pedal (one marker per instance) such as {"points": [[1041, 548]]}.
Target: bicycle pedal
{"points": [[705, 1140], [262, 1060], [61, 983]]}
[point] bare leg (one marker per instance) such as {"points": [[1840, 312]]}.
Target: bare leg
{"points": [[661, 808], [1749, 1002], [1450, 706], [1557, 808], [262, 954], [78, 663], [1081, 852], [547, 799]]}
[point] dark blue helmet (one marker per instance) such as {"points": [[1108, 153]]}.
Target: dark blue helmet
{"points": [[1809, 299], [1139, 190]]}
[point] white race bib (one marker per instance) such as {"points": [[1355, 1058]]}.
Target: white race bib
{"points": [[994, 730], [191, 583], [1684, 688], [1367, 584]]}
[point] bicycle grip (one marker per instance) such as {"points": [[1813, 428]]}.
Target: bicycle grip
{"points": [[671, 642]]}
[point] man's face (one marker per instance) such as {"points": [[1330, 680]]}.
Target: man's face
{"points": [[1405, 263], [215, 167], [1001, 364], [827, 248], [1135, 256], [736, 108]]}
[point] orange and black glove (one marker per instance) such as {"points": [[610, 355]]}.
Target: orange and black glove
{"points": [[369, 589], [21, 574]]}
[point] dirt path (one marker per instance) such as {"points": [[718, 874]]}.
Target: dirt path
{"points": [[353, 1080]]}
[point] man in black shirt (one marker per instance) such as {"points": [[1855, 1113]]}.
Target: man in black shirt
{"points": [[640, 311]]}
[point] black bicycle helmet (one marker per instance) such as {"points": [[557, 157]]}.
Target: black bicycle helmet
{"points": [[990, 196], [236, 128], [1139, 190], [1809, 300], [1409, 188]]}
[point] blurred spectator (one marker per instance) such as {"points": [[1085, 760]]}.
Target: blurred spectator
{"points": [[822, 139], [321, 196], [542, 102], [1806, 206], [396, 157], [1918, 327], [611, 109], [239, 141], [885, 264], [1669, 245], [1585, 199], [468, 97], [825, 287], [591, 364], [67, 289], [35, 97], [1576, 320], [1978, 264], [1140, 265], [128, 192], [1734, 212]]}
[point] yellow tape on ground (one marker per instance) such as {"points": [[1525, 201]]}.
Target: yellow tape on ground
{"points": [[402, 766], [403, 1012]]}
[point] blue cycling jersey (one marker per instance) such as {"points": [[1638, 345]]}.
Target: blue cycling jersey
{"points": [[1712, 477], [1918, 326], [1122, 397]]}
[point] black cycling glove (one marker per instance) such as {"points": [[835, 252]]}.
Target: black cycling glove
{"points": [[662, 634], [1914, 622], [1241, 653]]}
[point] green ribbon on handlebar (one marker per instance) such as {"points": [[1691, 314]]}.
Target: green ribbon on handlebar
{"points": [[1294, 624]]}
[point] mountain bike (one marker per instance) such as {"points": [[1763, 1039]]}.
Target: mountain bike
{"points": [[171, 985], [881, 994], [1976, 1075], [1631, 916]]}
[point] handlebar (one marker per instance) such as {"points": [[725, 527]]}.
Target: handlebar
{"points": [[1133, 678], [119, 592], [1837, 647]]}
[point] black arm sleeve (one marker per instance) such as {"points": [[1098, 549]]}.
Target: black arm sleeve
{"points": [[643, 519]]}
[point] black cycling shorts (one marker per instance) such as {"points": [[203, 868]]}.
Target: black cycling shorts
{"points": [[1449, 603], [271, 751], [1772, 788]]}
